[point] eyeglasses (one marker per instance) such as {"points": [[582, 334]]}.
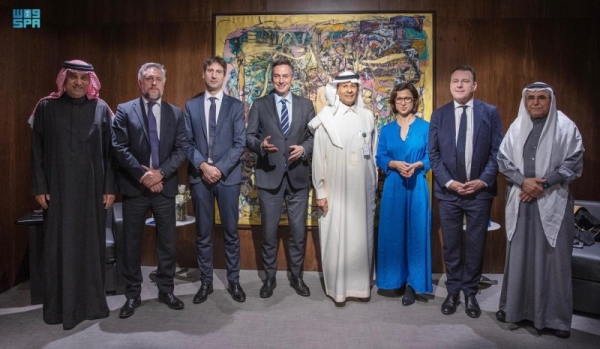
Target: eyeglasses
{"points": [[405, 100]]}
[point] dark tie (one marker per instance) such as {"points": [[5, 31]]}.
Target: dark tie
{"points": [[285, 120], [461, 168], [154, 141], [212, 125]]}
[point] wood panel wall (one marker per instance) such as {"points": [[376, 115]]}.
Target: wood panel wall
{"points": [[509, 42]]}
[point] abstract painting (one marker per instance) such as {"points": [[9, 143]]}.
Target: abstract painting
{"points": [[383, 48]]}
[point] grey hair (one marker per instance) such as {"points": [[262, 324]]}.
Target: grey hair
{"points": [[147, 66]]}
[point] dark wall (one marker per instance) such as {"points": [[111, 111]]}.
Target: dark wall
{"points": [[510, 43]]}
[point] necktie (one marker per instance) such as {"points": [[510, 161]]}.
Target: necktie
{"points": [[285, 120], [461, 142], [212, 125], [153, 130]]}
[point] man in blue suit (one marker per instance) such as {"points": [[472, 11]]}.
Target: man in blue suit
{"points": [[464, 136], [215, 128], [149, 143]]}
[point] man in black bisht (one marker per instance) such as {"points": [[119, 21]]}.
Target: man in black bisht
{"points": [[73, 179]]}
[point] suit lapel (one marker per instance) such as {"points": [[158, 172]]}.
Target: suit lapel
{"points": [[201, 117], [274, 114], [140, 111], [296, 119], [450, 125], [166, 118], [223, 114], [477, 119]]}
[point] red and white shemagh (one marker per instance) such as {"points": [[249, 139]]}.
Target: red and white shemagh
{"points": [[93, 91]]}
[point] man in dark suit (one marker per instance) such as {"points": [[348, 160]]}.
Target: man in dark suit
{"points": [[464, 136], [215, 128], [279, 135], [149, 142]]}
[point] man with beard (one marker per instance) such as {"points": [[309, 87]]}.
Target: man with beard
{"points": [[150, 143]]}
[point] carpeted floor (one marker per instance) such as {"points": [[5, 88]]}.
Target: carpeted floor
{"points": [[285, 320]]}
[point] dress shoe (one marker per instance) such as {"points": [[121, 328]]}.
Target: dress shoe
{"points": [[267, 288], [236, 292], [205, 289], [472, 307], [501, 316], [129, 307], [562, 334], [300, 287], [449, 305], [409, 296], [170, 300]]}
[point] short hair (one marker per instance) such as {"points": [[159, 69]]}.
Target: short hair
{"points": [[281, 61], [147, 66], [215, 59], [465, 67], [401, 87]]}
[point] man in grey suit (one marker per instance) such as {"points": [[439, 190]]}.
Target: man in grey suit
{"points": [[149, 142], [464, 136], [279, 135], [215, 129]]}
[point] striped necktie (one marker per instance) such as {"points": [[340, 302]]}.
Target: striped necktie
{"points": [[285, 119]]}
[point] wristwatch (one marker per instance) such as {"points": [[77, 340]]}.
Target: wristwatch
{"points": [[546, 185], [162, 173]]}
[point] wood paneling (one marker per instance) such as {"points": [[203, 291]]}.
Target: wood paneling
{"points": [[509, 42]]}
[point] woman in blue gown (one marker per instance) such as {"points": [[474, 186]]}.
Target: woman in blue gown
{"points": [[404, 251]]}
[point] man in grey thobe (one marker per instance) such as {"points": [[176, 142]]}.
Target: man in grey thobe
{"points": [[540, 156]]}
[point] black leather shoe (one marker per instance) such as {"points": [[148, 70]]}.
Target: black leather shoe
{"points": [[409, 296], [236, 292], [501, 316], [449, 305], [267, 288], [205, 289], [170, 300], [472, 307], [129, 307], [300, 287], [562, 334]]}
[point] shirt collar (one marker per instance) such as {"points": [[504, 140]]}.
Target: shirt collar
{"points": [[158, 102], [469, 104], [288, 98], [219, 96], [343, 109]]}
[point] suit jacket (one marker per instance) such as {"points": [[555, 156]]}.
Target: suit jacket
{"points": [[228, 143], [131, 142], [264, 121], [487, 135]]}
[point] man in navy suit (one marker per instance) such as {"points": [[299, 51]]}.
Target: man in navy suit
{"points": [[464, 136], [215, 129], [149, 142], [278, 133]]}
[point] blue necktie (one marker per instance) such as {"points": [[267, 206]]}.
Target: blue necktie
{"points": [[212, 125], [461, 142], [153, 130], [285, 120]]}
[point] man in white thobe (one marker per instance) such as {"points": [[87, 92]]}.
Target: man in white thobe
{"points": [[345, 179]]}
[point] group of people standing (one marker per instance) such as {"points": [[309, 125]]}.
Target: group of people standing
{"points": [[81, 155]]}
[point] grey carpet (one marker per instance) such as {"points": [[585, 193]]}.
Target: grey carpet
{"points": [[285, 320]]}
